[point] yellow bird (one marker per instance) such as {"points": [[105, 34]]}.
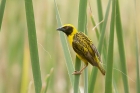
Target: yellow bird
{"points": [[83, 46]]}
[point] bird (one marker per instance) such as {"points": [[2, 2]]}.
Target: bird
{"points": [[83, 46]]}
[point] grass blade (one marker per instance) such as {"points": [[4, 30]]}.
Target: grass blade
{"points": [[48, 80], [121, 47], [137, 52], [100, 12], [115, 87], [92, 80], [33, 45], [82, 15], [108, 79], [86, 80], [2, 7], [68, 58], [95, 70], [94, 24], [25, 70], [86, 69], [137, 65], [76, 77], [81, 27]]}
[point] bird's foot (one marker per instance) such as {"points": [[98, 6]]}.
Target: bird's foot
{"points": [[76, 73]]}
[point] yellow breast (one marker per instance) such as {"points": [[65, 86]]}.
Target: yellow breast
{"points": [[70, 37]]}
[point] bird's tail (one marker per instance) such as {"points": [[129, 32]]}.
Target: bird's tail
{"points": [[100, 67]]}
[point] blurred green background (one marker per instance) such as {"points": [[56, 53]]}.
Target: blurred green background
{"points": [[14, 47]]}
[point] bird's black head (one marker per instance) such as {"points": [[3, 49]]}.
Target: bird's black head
{"points": [[67, 29]]}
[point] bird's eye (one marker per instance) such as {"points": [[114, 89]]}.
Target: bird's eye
{"points": [[66, 27]]}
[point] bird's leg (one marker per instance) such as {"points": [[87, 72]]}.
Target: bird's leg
{"points": [[79, 72]]}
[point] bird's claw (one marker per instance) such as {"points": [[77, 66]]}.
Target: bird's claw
{"points": [[76, 73]]}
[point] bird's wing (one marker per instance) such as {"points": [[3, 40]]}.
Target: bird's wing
{"points": [[84, 48], [96, 51]]}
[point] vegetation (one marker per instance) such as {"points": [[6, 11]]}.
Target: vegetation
{"points": [[35, 58]]}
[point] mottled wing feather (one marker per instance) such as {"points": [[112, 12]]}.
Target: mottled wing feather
{"points": [[85, 48], [96, 52], [81, 51]]}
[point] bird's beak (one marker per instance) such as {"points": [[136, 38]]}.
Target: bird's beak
{"points": [[60, 29]]}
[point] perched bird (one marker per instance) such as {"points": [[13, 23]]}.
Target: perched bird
{"points": [[83, 46]]}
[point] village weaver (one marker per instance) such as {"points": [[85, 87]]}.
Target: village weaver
{"points": [[83, 46]]}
